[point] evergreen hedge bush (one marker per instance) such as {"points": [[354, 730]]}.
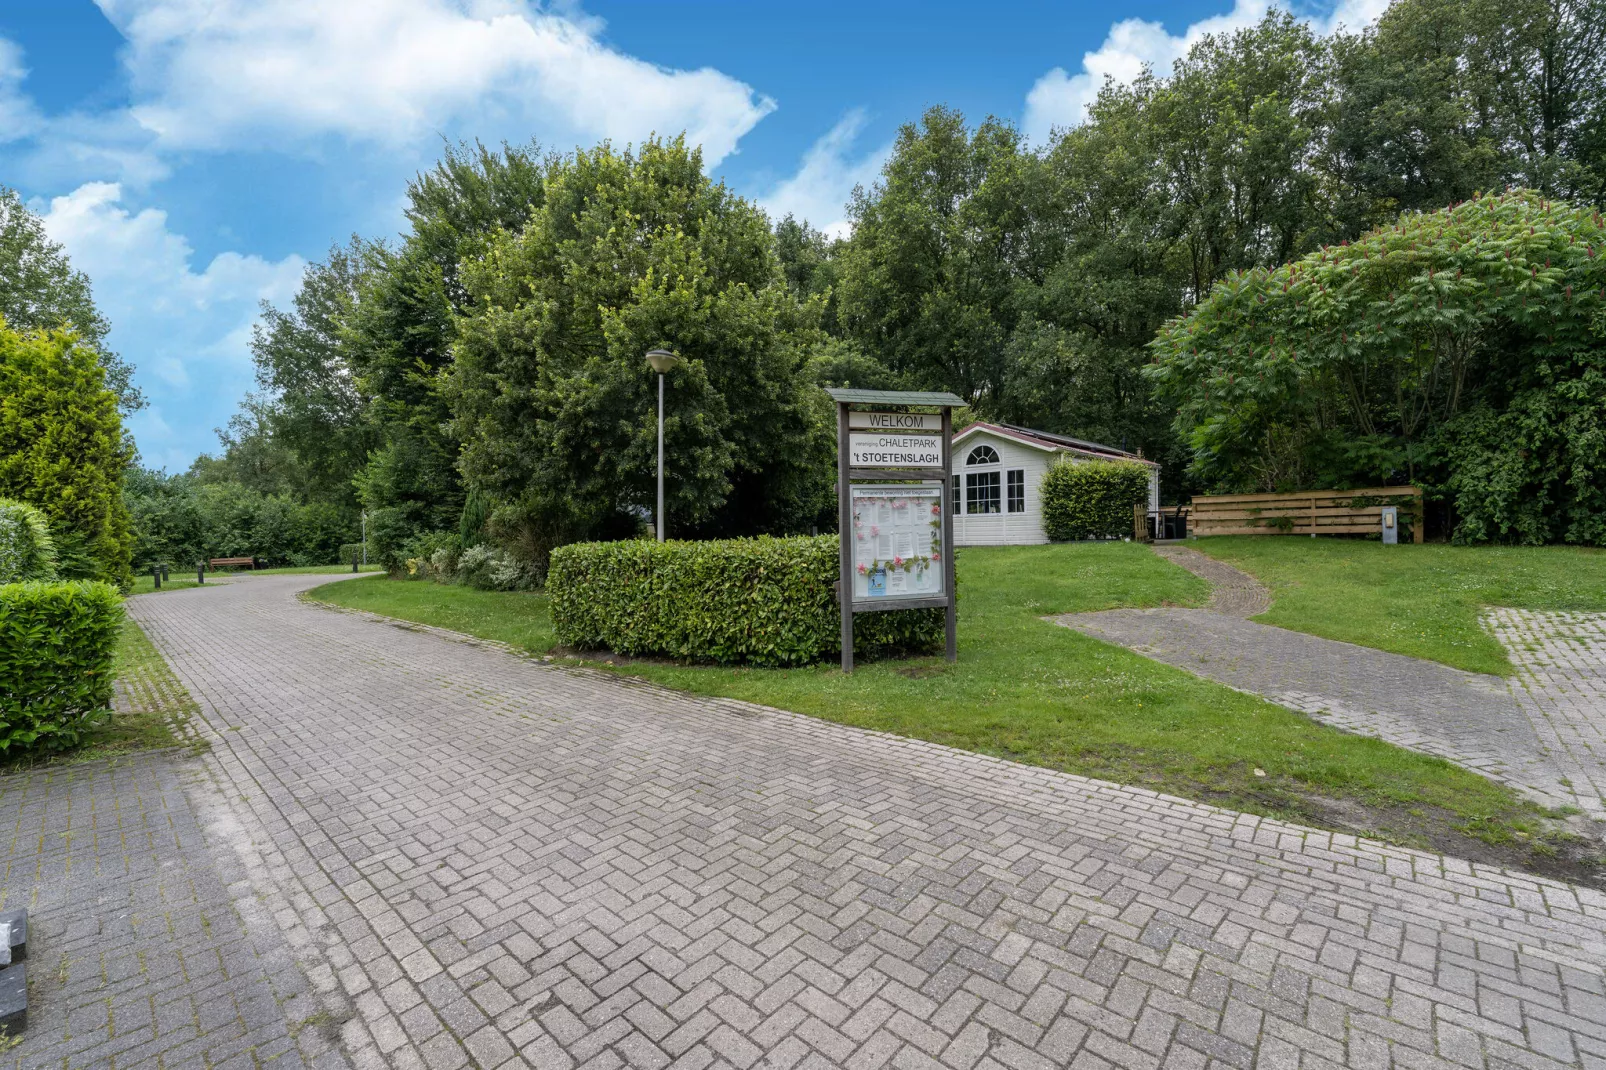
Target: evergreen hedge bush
{"points": [[58, 642], [1092, 499], [764, 601], [27, 551]]}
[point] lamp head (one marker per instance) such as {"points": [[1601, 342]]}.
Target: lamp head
{"points": [[662, 360]]}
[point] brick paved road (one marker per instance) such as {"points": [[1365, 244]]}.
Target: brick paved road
{"points": [[497, 860], [1543, 732], [147, 943]]}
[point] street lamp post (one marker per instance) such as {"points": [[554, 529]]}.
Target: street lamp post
{"points": [[662, 361]]}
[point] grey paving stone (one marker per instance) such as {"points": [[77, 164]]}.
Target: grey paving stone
{"points": [[656, 879], [1543, 732]]}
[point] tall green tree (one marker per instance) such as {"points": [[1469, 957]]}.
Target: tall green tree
{"points": [[40, 291], [62, 449], [400, 330], [555, 404], [306, 432]]}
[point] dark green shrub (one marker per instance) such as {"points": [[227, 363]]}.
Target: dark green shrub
{"points": [[1092, 499], [350, 551], [57, 646], [27, 551], [763, 601]]}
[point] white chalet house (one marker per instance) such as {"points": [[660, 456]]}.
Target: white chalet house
{"points": [[998, 477]]}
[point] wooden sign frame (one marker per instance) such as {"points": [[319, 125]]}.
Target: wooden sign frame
{"points": [[847, 475]]}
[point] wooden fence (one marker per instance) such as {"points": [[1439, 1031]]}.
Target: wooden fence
{"points": [[1311, 512]]}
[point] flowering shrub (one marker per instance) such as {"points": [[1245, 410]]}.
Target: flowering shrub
{"points": [[763, 601]]}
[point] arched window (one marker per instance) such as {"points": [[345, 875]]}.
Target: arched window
{"points": [[982, 494]]}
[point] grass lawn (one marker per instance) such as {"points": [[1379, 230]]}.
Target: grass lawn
{"points": [[1035, 692], [179, 580], [1418, 600], [152, 709]]}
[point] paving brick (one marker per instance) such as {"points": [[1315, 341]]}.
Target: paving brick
{"points": [[622, 875]]}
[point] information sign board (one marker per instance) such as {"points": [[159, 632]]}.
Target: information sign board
{"points": [[897, 541], [893, 450]]}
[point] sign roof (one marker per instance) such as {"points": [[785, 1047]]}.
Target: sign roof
{"points": [[847, 395]]}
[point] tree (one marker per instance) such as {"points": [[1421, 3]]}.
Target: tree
{"points": [[40, 291], [554, 403], [310, 407], [62, 449], [940, 244], [399, 332], [1444, 98], [1463, 348]]}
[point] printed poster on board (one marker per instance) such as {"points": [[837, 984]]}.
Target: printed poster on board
{"points": [[897, 541]]}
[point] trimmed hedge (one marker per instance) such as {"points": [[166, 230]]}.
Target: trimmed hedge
{"points": [[58, 642], [27, 552], [1092, 499], [764, 601]]}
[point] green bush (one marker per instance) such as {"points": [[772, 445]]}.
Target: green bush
{"points": [[1092, 499], [763, 601], [350, 550], [26, 550], [57, 645], [62, 448]]}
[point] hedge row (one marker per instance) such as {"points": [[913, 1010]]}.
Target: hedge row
{"points": [[764, 601], [58, 642], [1092, 499]]}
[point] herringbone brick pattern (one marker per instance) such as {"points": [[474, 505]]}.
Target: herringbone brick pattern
{"points": [[147, 944], [500, 862]]}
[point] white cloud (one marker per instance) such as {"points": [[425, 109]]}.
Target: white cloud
{"points": [[187, 331], [819, 191], [1060, 99], [237, 73], [18, 117]]}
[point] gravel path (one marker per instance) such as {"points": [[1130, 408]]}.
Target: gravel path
{"points": [[483, 859]]}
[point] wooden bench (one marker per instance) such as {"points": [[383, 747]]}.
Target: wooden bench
{"points": [[232, 562]]}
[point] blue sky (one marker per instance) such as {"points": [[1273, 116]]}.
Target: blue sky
{"points": [[194, 155]]}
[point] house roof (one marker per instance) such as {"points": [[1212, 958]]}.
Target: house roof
{"points": [[1052, 443]]}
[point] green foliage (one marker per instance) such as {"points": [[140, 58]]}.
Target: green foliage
{"points": [[40, 291], [62, 449], [179, 520], [352, 551], [57, 646], [762, 601], [399, 333], [1092, 499], [27, 552], [555, 404], [1461, 348]]}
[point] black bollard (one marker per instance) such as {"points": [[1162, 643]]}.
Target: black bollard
{"points": [[164, 573], [200, 573], [354, 562], [156, 578]]}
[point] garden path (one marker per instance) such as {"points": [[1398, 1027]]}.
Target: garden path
{"points": [[481, 856], [1543, 731]]}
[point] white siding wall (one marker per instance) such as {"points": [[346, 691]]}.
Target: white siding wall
{"points": [[1005, 528]]}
